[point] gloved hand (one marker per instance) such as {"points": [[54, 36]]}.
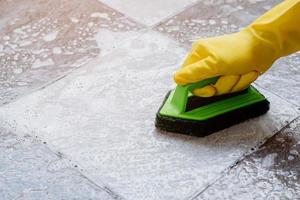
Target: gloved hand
{"points": [[239, 58]]}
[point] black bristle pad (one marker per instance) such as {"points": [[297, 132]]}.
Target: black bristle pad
{"points": [[206, 127], [196, 102]]}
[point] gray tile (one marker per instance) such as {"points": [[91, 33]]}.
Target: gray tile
{"points": [[148, 12], [283, 78], [42, 41], [273, 172], [29, 170], [213, 17], [102, 117]]}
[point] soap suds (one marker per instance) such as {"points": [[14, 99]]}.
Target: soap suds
{"points": [[291, 157], [6, 37], [38, 63], [51, 36], [280, 139], [100, 15], [212, 22], [21, 83], [294, 152], [269, 160], [74, 20], [38, 51], [107, 40], [18, 71], [56, 50], [25, 43]]}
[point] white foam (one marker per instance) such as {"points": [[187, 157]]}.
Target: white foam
{"points": [[38, 63], [108, 40], [56, 50], [51, 36], [18, 71], [102, 117], [6, 37], [291, 157], [148, 12], [74, 20], [25, 43], [294, 152], [21, 83], [212, 22], [100, 15], [269, 160]]}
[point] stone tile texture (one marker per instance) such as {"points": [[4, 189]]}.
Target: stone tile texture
{"points": [[102, 117], [98, 120], [283, 79], [211, 18], [149, 12], [273, 172], [41, 41], [29, 170]]}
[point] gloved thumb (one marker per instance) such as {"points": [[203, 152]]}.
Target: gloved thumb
{"points": [[203, 69]]}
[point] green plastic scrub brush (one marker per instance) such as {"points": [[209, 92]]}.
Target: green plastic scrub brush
{"points": [[186, 114]]}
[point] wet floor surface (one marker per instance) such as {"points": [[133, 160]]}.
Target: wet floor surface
{"points": [[42, 41], [80, 82], [29, 170], [272, 172]]}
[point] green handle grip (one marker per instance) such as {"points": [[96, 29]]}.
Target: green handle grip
{"points": [[180, 96]]}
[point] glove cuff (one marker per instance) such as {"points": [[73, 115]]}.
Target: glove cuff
{"points": [[265, 50]]}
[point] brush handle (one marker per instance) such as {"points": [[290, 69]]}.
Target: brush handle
{"points": [[200, 84], [180, 96]]}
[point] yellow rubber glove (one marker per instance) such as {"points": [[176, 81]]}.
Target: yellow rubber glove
{"points": [[239, 58]]}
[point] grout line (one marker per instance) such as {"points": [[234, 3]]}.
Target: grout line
{"points": [[141, 32], [164, 19], [64, 75], [59, 157], [123, 14], [43, 86], [102, 186], [143, 29], [106, 189], [114, 195], [237, 162], [279, 96], [185, 8]]}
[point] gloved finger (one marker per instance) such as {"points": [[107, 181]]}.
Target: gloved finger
{"points": [[197, 53], [191, 58], [245, 81], [203, 69], [207, 91], [225, 83]]}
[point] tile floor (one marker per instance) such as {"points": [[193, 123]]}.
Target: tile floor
{"points": [[80, 82], [270, 173], [29, 170], [42, 41]]}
